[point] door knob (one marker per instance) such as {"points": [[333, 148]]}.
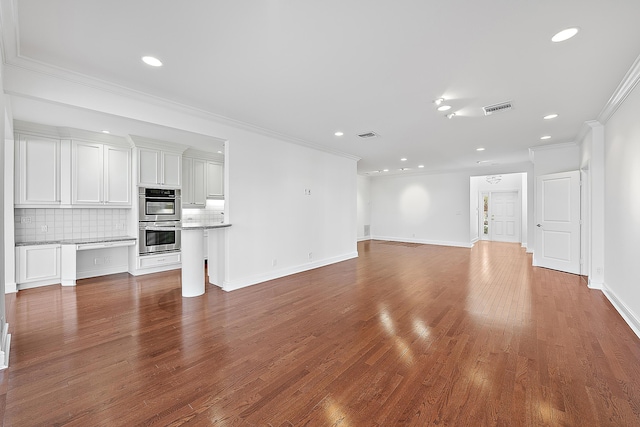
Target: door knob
{"points": [[538, 225]]}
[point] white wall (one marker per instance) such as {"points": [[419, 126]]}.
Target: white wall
{"points": [[364, 206], [475, 209], [291, 206], [622, 208], [432, 209]]}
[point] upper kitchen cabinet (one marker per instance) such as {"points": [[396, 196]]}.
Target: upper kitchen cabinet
{"points": [[101, 174], [159, 168], [194, 182], [37, 170], [215, 180]]}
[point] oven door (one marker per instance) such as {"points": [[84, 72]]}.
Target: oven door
{"points": [[154, 241], [159, 209]]}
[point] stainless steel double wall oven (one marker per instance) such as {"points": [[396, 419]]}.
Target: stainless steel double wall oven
{"points": [[158, 207]]}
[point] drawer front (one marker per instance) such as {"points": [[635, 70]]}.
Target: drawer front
{"points": [[159, 260]]}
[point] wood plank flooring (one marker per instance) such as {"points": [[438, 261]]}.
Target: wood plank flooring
{"points": [[409, 335]]}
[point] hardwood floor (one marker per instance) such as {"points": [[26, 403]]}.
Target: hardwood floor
{"points": [[404, 335]]}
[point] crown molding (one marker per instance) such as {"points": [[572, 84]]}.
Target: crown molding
{"points": [[56, 132], [626, 86]]}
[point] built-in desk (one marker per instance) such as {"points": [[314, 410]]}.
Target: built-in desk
{"points": [[69, 251]]}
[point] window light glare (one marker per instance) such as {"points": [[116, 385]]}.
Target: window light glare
{"points": [[550, 116], [565, 35], [150, 60]]}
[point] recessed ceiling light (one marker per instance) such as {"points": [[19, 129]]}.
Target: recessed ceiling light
{"points": [[339, 133], [482, 161], [150, 60], [105, 131], [450, 115], [404, 159], [219, 152], [550, 116], [480, 149], [545, 137], [438, 101], [565, 34], [420, 166], [404, 169], [385, 170], [444, 107]]}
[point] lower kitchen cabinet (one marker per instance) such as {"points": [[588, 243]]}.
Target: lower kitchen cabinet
{"points": [[160, 260], [37, 265]]}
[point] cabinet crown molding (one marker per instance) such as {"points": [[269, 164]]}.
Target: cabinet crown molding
{"points": [[57, 132], [204, 155], [144, 142]]}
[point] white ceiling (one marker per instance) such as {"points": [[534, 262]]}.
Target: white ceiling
{"points": [[308, 68]]}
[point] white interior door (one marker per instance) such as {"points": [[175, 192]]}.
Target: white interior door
{"points": [[504, 225], [557, 244]]}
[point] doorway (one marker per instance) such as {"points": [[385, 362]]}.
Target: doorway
{"points": [[500, 217]]}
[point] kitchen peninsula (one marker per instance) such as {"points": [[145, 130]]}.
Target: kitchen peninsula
{"points": [[193, 283]]}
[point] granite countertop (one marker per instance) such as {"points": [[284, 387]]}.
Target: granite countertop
{"points": [[79, 241], [187, 226]]}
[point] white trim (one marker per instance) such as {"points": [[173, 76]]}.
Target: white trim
{"points": [[362, 239], [595, 285], [423, 241], [5, 347], [624, 311], [623, 90], [10, 288], [233, 285]]}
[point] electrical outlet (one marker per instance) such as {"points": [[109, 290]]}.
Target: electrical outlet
{"points": [[310, 255], [44, 228], [25, 220]]}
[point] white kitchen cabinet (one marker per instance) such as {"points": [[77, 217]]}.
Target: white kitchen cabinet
{"points": [[159, 168], [215, 180], [101, 174], [193, 182], [37, 265], [37, 171]]}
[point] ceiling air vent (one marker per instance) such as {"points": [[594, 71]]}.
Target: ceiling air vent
{"points": [[368, 135], [497, 108]]}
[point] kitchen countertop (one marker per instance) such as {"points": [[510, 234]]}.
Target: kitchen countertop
{"points": [[187, 226], [79, 241]]}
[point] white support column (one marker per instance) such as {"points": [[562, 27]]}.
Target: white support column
{"points": [[192, 262]]}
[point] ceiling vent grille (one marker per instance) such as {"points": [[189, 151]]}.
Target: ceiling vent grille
{"points": [[368, 135], [497, 108]]}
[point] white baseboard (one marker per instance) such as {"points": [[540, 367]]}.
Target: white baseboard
{"points": [[10, 288], [592, 284], [628, 315], [233, 285], [5, 347], [96, 272], [423, 241], [362, 239], [474, 241]]}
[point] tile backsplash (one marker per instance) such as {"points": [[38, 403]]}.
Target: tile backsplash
{"points": [[213, 212], [37, 225]]}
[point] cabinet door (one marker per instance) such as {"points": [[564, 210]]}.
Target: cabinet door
{"points": [[117, 175], [187, 181], [148, 167], [171, 169], [38, 263], [199, 188], [215, 177], [38, 171], [87, 174]]}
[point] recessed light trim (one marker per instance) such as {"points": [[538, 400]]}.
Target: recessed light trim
{"points": [[550, 116], [421, 166], [339, 133], [152, 61], [480, 149], [565, 34], [545, 137], [404, 159], [438, 101], [444, 107], [385, 170], [450, 116]]}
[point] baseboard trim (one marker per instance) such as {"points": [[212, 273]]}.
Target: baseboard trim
{"points": [[5, 349], [623, 310], [10, 288], [423, 241], [362, 239], [595, 285], [233, 285]]}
